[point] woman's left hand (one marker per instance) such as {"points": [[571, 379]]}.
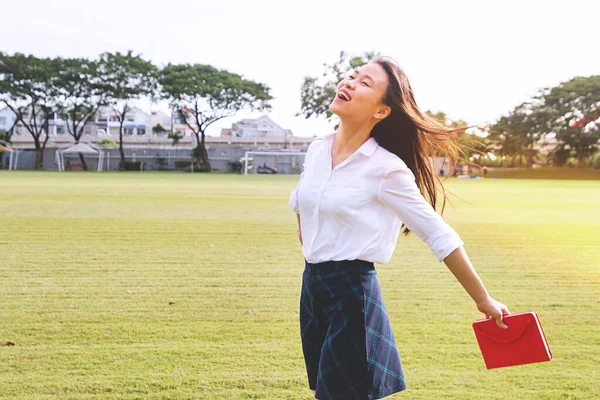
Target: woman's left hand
{"points": [[493, 309]]}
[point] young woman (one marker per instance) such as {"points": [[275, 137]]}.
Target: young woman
{"points": [[360, 186]]}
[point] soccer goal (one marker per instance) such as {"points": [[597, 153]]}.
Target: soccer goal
{"points": [[273, 162]]}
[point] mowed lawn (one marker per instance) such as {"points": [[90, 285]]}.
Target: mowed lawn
{"points": [[186, 286]]}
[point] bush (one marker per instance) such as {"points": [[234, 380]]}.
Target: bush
{"points": [[595, 163], [106, 142], [187, 166], [161, 163], [133, 165]]}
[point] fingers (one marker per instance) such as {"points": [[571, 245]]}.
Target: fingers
{"points": [[501, 323], [497, 315]]}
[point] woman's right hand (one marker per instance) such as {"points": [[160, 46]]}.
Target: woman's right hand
{"points": [[494, 309]]}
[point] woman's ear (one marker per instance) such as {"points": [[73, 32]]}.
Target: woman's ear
{"points": [[382, 112]]}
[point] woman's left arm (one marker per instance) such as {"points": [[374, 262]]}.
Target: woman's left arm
{"points": [[459, 264], [399, 191]]}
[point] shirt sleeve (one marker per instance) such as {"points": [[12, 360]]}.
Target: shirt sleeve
{"points": [[294, 195], [399, 191]]}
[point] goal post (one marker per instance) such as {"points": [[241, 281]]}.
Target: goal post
{"points": [[282, 159]]}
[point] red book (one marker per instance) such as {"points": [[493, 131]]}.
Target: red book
{"points": [[523, 342]]}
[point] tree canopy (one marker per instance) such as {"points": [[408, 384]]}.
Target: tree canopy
{"points": [[202, 94]]}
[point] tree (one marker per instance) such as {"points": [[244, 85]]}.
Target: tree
{"points": [[126, 78], [572, 111], [569, 111], [201, 95], [79, 94], [27, 89], [519, 131], [317, 93], [159, 129], [506, 141], [175, 136]]}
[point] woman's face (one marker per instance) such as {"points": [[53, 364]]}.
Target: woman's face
{"points": [[360, 95]]}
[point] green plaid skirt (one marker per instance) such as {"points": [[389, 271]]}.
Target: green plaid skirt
{"points": [[347, 340]]}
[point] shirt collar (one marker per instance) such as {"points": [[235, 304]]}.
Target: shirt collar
{"points": [[367, 148]]}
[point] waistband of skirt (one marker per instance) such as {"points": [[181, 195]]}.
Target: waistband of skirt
{"points": [[341, 265]]}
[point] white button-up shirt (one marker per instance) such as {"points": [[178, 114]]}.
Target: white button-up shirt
{"points": [[356, 210]]}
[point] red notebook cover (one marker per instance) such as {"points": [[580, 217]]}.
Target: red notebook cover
{"points": [[523, 342]]}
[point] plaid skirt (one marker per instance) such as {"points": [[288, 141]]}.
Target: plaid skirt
{"points": [[347, 340]]}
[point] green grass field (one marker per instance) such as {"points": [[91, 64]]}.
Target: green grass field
{"points": [[186, 286]]}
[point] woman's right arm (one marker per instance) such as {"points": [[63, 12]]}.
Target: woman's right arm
{"points": [[299, 229]]}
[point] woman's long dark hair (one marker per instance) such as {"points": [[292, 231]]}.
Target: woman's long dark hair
{"points": [[413, 135]]}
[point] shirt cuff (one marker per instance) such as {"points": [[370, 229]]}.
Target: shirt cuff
{"points": [[444, 241]]}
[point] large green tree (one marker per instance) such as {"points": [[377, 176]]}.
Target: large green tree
{"points": [[126, 77], [317, 92], [516, 134], [572, 112], [80, 92], [27, 86], [201, 95]]}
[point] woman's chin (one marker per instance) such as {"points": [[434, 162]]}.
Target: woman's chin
{"points": [[337, 109]]}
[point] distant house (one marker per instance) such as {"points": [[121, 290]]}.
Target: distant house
{"points": [[106, 123], [160, 118], [7, 120], [259, 127]]}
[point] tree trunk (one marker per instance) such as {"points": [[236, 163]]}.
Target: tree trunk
{"points": [[204, 155], [83, 163], [530, 157], [121, 152], [39, 157], [200, 152], [580, 163], [1, 163]]}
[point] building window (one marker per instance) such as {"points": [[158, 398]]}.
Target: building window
{"points": [[2, 121], [87, 130], [114, 118], [129, 118], [141, 131], [127, 131], [60, 130]]}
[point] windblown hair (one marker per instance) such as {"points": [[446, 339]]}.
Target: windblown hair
{"points": [[413, 135]]}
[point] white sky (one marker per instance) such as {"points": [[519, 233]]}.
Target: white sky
{"points": [[473, 60]]}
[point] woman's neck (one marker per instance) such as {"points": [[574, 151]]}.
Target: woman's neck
{"points": [[349, 138]]}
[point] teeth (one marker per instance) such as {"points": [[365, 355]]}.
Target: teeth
{"points": [[343, 95]]}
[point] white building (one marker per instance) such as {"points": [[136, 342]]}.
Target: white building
{"points": [[260, 127], [7, 120]]}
